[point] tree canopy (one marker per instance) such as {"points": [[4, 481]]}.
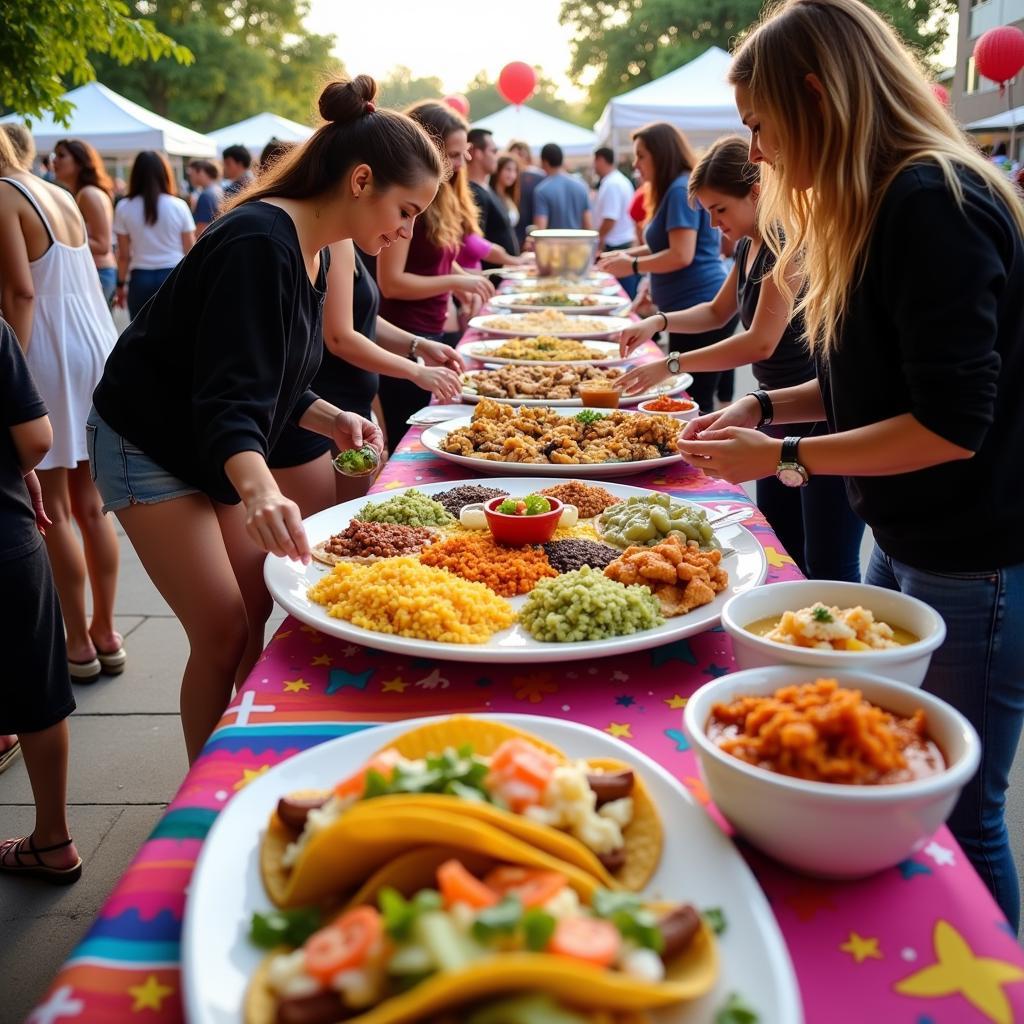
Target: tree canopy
{"points": [[46, 45], [620, 44]]}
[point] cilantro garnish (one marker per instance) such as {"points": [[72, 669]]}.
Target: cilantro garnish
{"points": [[284, 927], [736, 1011], [822, 614], [588, 416]]}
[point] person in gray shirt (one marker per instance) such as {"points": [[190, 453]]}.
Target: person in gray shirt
{"points": [[559, 201]]}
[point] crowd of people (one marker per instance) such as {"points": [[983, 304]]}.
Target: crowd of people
{"points": [[312, 303]]}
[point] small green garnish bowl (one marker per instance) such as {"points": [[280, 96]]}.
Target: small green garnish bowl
{"points": [[357, 461]]}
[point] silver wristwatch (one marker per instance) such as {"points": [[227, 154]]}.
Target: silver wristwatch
{"points": [[672, 362], [789, 472]]}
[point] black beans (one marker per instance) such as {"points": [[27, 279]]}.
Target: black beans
{"points": [[469, 494], [322, 1008], [292, 810], [570, 555], [613, 860], [678, 927], [609, 786]]}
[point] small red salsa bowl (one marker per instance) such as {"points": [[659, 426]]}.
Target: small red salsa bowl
{"points": [[510, 529]]}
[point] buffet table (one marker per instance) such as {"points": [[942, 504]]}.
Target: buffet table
{"points": [[922, 943]]}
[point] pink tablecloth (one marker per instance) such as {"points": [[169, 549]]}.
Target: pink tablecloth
{"points": [[922, 943]]}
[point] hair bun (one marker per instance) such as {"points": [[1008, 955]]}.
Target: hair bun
{"points": [[343, 101]]}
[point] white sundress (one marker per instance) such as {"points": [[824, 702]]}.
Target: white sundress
{"points": [[72, 335]]}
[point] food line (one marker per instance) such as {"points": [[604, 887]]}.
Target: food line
{"points": [[876, 937]]}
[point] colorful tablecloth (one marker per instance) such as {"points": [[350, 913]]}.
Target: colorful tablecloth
{"points": [[922, 943]]}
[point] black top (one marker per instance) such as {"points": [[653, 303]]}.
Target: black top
{"points": [[494, 220], [347, 386], [529, 179], [936, 328], [20, 403], [790, 364], [222, 356]]}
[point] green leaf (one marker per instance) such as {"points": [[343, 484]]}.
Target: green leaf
{"points": [[715, 918], [630, 917], [588, 416], [736, 1011], [822, 614], [399, 914], [501, 919], [284, 927], [538, 927]]}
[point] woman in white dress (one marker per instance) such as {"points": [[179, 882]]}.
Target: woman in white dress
{"points": [[51, 296]]}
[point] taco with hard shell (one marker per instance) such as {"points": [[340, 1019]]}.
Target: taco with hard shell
{"points": [[470, 783], [401, 952]]}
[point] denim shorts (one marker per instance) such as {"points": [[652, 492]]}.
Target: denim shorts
{"points": [[125, 475]]}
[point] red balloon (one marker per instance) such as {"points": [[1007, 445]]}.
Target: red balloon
{"points": [[458, 103], [941, 93], [999, 53], [517, 82]]}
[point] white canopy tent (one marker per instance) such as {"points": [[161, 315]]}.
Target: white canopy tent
{"points": [[695, 98], [536, 129], [1002, 121], [256, 131]]}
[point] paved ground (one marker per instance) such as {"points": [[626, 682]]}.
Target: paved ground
{"points": [[127, 760]]}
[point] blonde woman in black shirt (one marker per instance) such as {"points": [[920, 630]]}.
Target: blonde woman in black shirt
{"points": [[200, 386], [919, 358]]}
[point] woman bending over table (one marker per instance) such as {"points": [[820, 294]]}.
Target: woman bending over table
{"points": [[814, 523], [418, 274], [919, 360], [682, 250], [199, 388]]}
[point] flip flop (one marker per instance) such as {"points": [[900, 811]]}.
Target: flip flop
{"points": [[9, 756], [112, 662], [84, 671], [55, 876]]}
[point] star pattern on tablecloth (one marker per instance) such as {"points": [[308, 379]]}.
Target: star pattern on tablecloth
{"points": [[534, 686], [716, 671], [942, 855], [312, 632], [623, 730], [433, 681], [696, 786], [248, 774], [680, 650], [396, 685], [910, 867], [861, 948], [675, 702], [295, 685], [777, 559], [625, 701], [150, 994], [59, 1005], [339, 679], [678, 737], [958, 971], [283, 635], [322, 661]]}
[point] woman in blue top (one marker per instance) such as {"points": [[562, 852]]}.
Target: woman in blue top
{"points": [[682, 253]]}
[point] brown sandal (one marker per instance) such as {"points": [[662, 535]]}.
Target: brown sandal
{"points": [[55, 876]]}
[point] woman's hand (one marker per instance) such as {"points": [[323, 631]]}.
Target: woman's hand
{"points": [[121, 296], [642, 378], [744, 412], [35, 492], [470, 288], [352, 431], [636, 334], [739, 454], [437, 353], [444, 384], [616, 264], [274, 523]]}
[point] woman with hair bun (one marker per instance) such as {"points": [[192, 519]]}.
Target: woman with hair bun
{"points": [[202, 383], [919, 359]]}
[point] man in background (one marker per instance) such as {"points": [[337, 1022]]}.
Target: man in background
{"points": [[237, 164], [611, 210], [529, 178], [483, 162], [559, 201], [204, 177]]}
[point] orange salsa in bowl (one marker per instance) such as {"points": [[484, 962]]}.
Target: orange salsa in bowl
{"points": [[823, 732], [666, 404]]}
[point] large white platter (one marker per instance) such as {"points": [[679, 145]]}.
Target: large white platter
{"points": [[432, 437], [606, 353], [524, 302], [529, 275], [674, 386], [699, 865], [289, 581], [613, 325]]}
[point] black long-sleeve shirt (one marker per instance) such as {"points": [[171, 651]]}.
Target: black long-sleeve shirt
{"points": [[221, 358], [935, 328]]}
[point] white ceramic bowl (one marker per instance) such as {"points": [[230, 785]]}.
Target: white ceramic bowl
{"points": [[907, 664], [686, 414], [821, 828]]}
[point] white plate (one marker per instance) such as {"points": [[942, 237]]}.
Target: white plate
{"points": [[671, 387], [612, 325], [529, 274], [606, 353], [699, 865], [289, 581], [527, 303], [435, 414], [432, 437]]}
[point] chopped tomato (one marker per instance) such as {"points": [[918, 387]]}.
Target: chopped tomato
{"points": [[382, 762], [586, 938], [457, 885], [520, 772], [343, 944], [534, 888]]}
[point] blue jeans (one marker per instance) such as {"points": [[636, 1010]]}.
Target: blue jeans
{"points": [[143, 285], [108, 282], [632, 282], [980, 671]]}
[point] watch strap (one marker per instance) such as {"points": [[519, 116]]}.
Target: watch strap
{"points": [[767, 408], [790, 447]]}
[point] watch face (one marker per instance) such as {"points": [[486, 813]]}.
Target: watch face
{"points": [[791, 477], [673, 366]]}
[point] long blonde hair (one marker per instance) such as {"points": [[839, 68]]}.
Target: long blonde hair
{"points": [[453, 214], [876, 115]]}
